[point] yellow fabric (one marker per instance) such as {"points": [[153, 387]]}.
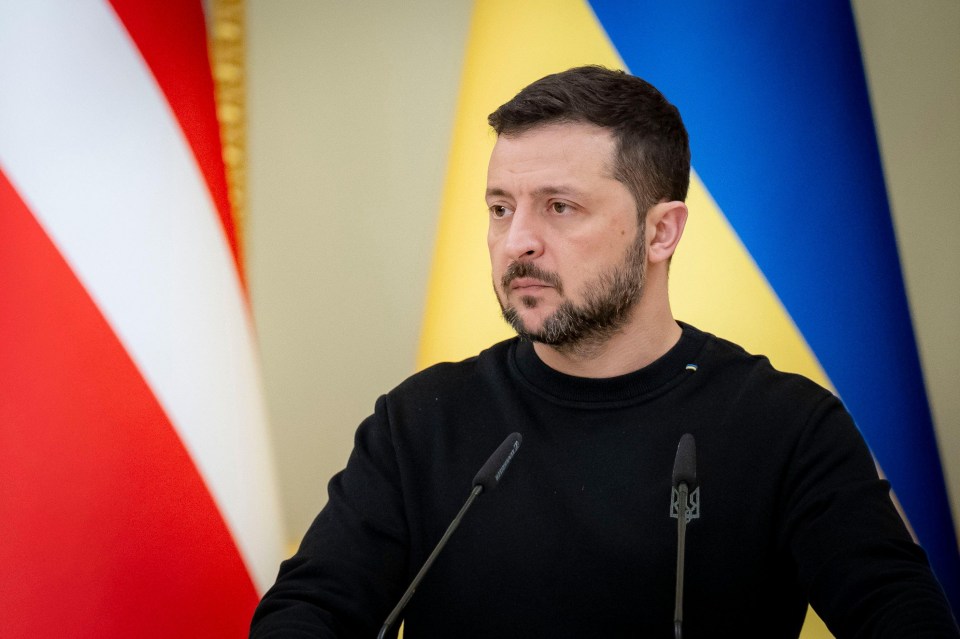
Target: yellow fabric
{"points": [[715, 284]]}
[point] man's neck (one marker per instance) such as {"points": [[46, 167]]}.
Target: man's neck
{"points": [[641, 342]]}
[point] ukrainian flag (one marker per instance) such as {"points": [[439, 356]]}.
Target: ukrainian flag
{"points": [[789, 249]]}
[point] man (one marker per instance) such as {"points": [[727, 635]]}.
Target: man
{"points": [[585, 191]]}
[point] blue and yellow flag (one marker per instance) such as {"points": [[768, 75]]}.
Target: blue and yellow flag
{"points": [[789, 249]]}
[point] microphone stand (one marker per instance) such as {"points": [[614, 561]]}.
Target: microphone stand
{"points": [[684, 475], [395, 613], [683, 492], [486, 479]]}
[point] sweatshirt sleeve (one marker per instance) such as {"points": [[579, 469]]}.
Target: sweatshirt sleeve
{"points": [[350, 568], [862, 571]]}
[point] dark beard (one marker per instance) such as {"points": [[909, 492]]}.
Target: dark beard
{"points": [[605, 309]]}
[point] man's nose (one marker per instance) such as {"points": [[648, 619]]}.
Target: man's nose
{"points": [[525, 238]]}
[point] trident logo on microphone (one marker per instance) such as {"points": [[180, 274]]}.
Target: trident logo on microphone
{"points": [[692, 507]]}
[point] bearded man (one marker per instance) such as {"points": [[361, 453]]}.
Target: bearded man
{"points": [[585, 191]]}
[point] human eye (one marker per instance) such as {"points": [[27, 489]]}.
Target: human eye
{"points": [[560, 207], [499, 211]]}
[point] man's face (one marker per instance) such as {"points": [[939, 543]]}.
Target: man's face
{"points": [[567, 255]]}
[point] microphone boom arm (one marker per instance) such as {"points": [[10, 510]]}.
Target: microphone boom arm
{"points": [[395, 613]]}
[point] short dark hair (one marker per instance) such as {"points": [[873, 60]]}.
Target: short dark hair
{"points": [[652, 157]]}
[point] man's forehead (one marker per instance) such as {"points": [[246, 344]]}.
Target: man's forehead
{"points": [[559, 146]]}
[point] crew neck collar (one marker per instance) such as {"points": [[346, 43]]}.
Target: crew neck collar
{"points": [[671, 368]]}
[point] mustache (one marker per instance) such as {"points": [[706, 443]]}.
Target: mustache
{"points": [[528, 269]]}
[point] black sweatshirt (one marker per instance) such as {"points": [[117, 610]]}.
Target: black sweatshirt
{"points": [[578, 541]]}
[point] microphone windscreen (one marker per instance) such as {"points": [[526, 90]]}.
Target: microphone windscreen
{"points": [[685, 464], [491, 472]]}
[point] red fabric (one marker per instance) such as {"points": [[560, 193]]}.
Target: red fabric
{"points": [[106, 527]]}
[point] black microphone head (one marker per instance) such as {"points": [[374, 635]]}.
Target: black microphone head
{"points": [[491, 472], [685, 463]]}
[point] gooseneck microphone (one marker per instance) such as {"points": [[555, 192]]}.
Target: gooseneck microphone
{"points": [[684, 480], [485, 480]]}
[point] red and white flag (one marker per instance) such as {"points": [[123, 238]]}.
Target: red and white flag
{"points": [[136, 488]]}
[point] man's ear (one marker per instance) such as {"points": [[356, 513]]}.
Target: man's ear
{"points": [[665, 222]]}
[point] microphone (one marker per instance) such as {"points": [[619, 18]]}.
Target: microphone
{"points": [[485, 480], [684, 480]]}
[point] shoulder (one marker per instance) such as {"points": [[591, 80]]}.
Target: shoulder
{"points": [[448, 393], [782, 425], [774, 410], [752, 378]]}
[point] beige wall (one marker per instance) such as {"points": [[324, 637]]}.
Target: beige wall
{"points": [[350, 111]]}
